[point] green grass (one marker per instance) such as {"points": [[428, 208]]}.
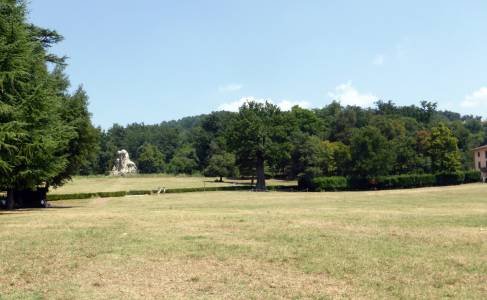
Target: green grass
{"points": [[426, 243], [88, 184]]}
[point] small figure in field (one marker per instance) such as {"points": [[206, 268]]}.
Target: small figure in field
{"points": [[123, 165]]}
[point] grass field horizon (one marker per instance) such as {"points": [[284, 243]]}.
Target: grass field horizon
{"points": [[419, 243]]}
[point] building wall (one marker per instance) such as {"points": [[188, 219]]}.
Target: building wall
{"points": [[480, 158]]}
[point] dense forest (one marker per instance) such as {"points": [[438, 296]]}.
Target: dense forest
{"points": [[330, 141]]}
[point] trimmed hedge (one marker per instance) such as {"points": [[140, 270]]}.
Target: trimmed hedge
{"points": [[473, 176], [450, 178], [330, 183], [57, 197], [71, 196], [387, 182], [405, 181]]}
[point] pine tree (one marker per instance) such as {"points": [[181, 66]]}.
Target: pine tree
{"points": [[43, 130]]}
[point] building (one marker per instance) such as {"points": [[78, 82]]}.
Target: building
{"points": [[480, 155]]}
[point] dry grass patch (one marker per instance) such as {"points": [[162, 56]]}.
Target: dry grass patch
{"points": [[427, 243], [89, 184]]}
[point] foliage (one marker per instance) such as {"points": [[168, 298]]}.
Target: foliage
{"points": [[331, 141], [150, 159], [221, 165], [335, 183], [185, 161], [257, 135], [387, 182], [45, 132], [371, 152], [450, 178], [443, 150], [473, 176]]}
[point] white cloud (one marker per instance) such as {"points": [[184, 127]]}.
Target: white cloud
{"points": [[379, 60], [233, 87], [287, 104], [346, 94], [283, 105], [477, 99]]}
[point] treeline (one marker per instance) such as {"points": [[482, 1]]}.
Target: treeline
{"points": [[334, 140]]}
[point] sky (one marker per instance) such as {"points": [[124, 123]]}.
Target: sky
{"points": [[154, 60]]}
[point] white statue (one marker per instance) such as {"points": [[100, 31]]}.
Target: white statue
{"points": [[123, 165]]}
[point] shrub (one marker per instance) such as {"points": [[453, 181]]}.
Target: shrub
{"points": [[329, 183], [140, 192], [305, 181], [473, 176], [112, 194], [405, 181], [450, 178], [360, 183], [70, 196]]}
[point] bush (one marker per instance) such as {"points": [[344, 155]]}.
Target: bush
{"points": [[112, 194], [473, 176], [305, 179], [450, 178], [405, 181], [360, 183], [70, 196], [141, 192], [329, 184]]}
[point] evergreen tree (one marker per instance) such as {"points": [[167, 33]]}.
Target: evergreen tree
{"points": [[36, 133]]}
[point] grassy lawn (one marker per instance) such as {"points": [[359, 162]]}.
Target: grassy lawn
{"points": [[146, 182], [425, 243]]}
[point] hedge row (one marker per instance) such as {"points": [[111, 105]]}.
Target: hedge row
{"points": [[387, 182], [167, 191]]}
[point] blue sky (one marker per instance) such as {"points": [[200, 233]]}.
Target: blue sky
{"points": [[150, 61]]}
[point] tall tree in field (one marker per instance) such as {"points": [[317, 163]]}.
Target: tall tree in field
{"points": [[443, 150], [255, 134], [36, 134]]}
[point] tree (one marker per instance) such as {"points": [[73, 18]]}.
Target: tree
{"points": [[37, 134], [150, 159], [84, 145], [184, 161], [256, 132], [443, 150], [336, 158], [306, 153], [371, 153], [221, 165]]}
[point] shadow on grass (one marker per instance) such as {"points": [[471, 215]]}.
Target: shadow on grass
{"points": [[20, 210], [229, 182]]}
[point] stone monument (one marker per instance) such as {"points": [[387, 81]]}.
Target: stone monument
{"points": [[123, 165]]}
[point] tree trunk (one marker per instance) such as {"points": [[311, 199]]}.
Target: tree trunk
{"points": [[221, 178], [260, 186], [10, 200]]}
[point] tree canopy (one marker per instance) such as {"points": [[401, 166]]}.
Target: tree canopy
{"points": [[334, 140], [45, 134]]}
